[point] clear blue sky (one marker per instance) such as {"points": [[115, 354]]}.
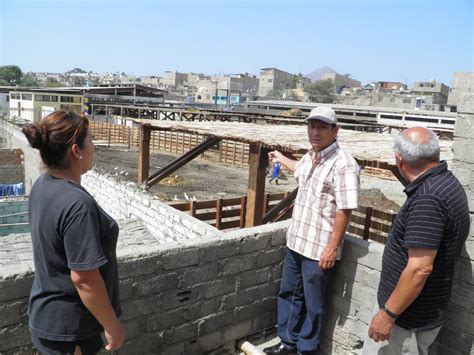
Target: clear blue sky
{"points": [[399, 40]]}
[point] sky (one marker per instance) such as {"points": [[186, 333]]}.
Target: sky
{"points": [[373, 40]]}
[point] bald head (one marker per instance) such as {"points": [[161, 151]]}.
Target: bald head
{"points": [[418, 146]]}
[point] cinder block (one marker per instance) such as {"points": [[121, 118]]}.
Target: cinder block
{"points": [[279, 238], [464, 126], [133, 328], [164, 320], [181, 258], [255, 243], [11, 312], [147, 343], [253, 277], [455, 340], [271, 257], [220, 250], [204, 308], [135, 267], [139, 307], [236, 331], [239, 264], [223, 286], [15, 288], [14, 336], [148, 285], [462, 150], [127, 287], [199, 274], [181, 333], [460, 318]]}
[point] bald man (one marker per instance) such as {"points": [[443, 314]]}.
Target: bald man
{"points": [[421, 250]]}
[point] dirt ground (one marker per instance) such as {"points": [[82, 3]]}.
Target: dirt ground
{"points": [[203, 180]]}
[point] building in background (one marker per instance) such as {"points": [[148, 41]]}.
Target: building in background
{"points": [[274, 80], [174, 78], [462, 92]]}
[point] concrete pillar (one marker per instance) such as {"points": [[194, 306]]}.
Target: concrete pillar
{"points": [[457, 335]]}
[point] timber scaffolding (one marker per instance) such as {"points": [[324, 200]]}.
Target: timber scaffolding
{"points": [[370, 149], [242, 144], [351, 117], [168, 113]]}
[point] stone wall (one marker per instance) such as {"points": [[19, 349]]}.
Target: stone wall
{"points": [[12, 170]]}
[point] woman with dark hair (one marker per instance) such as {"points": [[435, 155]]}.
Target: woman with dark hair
{"points": [[74, 296]]}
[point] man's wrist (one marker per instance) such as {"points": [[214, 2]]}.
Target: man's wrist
{"points": [[389, 312]]}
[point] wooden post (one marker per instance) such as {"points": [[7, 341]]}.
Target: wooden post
{"points": [[144, 153], [258, 160], [368, 220], [243, 206], [218, 213]]}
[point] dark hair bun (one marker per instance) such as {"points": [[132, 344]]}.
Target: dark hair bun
{"points": [[34, 136]]}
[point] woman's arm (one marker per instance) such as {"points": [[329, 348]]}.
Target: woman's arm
{"points": [[93, 293]]}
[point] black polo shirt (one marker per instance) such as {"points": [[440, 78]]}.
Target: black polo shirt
{"points": [[435, 216]]}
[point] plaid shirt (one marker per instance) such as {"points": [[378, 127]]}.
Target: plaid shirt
{"points": [[331, 184]]}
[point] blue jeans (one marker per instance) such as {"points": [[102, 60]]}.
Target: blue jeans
{"points": [[302, 301]]}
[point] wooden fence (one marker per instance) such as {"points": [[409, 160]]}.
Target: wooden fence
{"points": [[228, 152], [366, 222]]}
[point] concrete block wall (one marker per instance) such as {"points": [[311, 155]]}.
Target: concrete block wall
{"points": [[11, 166], [457, 335], [192, 297], [128, 200]]}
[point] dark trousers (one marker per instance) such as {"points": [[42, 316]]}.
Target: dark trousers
{"points": [[302, 301]]}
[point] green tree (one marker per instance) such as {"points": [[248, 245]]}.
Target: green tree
{"points": [[10, 74], [52, 82], [322, 91], [29, 80]]}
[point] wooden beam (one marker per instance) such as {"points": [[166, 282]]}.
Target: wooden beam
{"points": [[184, 159], [258, 161], [144, 153], [279, 210]]}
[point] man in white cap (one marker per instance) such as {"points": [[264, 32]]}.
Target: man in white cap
{"points": [[328, 181]]}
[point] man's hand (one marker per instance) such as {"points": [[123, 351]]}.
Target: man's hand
{"points": [[275, 156], [115, 337], [381, 326], [327, 259]]}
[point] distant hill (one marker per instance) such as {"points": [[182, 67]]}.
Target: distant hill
{"points": [[319, 73]]}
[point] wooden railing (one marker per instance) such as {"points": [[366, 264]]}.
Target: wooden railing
{"points": [[225, 213], [366, 222]]}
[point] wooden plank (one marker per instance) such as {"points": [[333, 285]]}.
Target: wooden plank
{"points": [[231, 213], [231, 201], [230, 224], [205, 204], [277, 197], [205, 216], [181, 206]]}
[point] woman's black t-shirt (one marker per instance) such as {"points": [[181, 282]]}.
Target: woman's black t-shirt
{"points": [[69, 232]]}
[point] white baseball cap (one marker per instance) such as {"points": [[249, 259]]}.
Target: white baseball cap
{"points": [[323, 113]]}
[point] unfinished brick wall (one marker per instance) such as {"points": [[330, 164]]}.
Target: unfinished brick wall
{"points": [[12, 170]]}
